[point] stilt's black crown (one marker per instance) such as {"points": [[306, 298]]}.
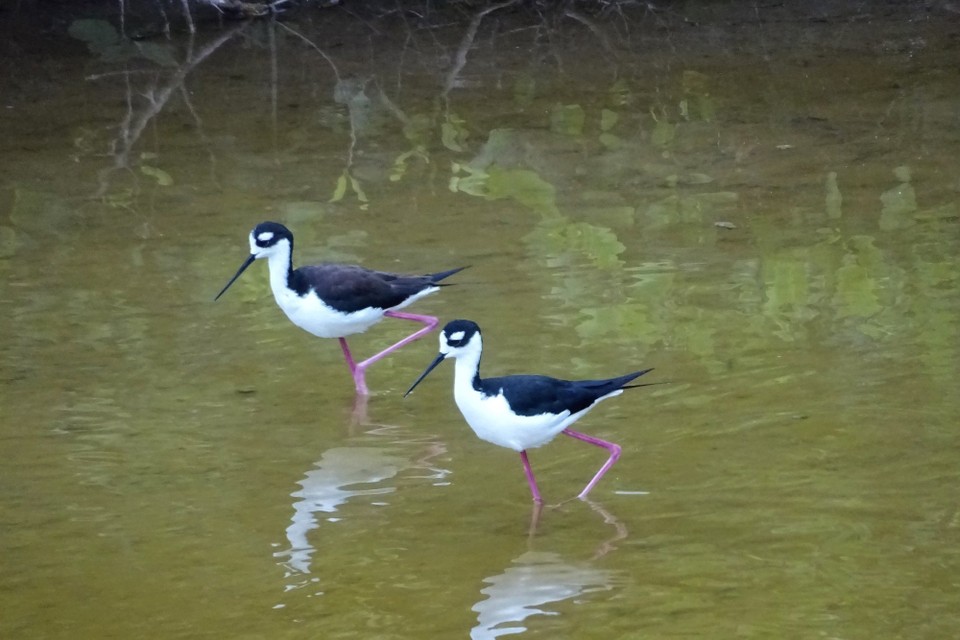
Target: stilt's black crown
{"points": [[267, 234], [459, 332]]}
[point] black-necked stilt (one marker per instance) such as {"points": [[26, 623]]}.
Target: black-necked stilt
{"points": [[526, 411], [338, 300]]}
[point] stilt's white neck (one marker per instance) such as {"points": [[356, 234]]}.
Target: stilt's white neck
{"points": [[280, 264], [467, 367]]}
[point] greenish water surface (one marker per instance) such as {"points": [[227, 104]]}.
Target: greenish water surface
{"points": [[764, 206]]}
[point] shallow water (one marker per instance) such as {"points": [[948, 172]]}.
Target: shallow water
{"points": [[762, 205]]}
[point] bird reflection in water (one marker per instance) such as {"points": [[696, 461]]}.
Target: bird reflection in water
{"points": [[345, 474], [537, 578], [341, 473]]}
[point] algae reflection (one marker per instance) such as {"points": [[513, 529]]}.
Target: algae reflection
{"points": [[695, 270]]}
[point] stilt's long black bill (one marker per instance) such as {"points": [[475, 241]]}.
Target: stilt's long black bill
{"points": [[423, 375], [242, 268]]}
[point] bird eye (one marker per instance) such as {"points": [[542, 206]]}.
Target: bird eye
{"points": [[264, 237]]}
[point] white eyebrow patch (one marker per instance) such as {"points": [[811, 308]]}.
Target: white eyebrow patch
{"points": [[456, 336], [265, 236]]}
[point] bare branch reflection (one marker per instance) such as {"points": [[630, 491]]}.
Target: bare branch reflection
{"points": [[135, 121]]}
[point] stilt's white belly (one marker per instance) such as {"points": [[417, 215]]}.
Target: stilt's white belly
{"points": [[311, 314], [491, 419]]}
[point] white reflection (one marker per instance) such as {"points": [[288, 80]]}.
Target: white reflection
{"points": [[345, 473], [334, 481], [534, 579]]}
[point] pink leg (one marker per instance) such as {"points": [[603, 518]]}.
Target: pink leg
{"points": [[614, 450], [535, 518], [530, 479], [359, 370], [359, 380]]}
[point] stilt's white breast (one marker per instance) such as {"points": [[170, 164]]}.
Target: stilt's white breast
{"points": [[491, 419], [311, 314]]}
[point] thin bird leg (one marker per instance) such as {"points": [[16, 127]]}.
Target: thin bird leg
{"points": [[359, 370], [359, 379], [530, 478], [535, 519], [613, 448]]}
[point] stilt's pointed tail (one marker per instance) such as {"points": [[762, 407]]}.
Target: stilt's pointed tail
{"points": [[437, 277]]}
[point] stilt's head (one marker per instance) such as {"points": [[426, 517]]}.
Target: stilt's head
{"points": [[266, 239], [459, 338]]}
